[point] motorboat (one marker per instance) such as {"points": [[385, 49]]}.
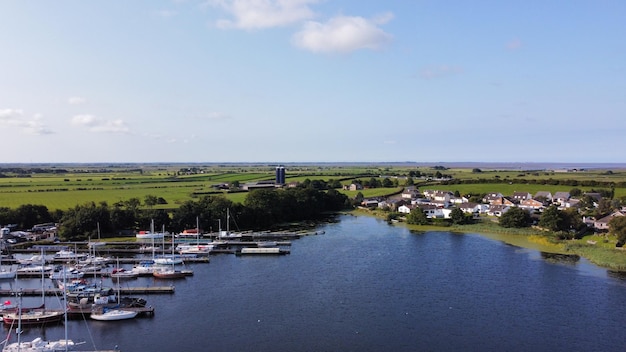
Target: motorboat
{"points": [[168, 273], [66, 273], [34, 269], [65, 255], [197, 249]]}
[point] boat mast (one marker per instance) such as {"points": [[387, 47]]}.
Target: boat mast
{"points": [[197, 232]]}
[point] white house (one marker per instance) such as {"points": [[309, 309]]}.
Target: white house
{"points": [[498, 210]]}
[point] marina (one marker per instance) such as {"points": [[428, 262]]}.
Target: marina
{"points": [[365, 286], [58, 292]]}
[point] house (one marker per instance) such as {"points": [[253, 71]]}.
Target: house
{"points": [[561, 197], [459, 200], [603, 224], [392, 204], [472, 208], [410, 193], [543, 195], [442, 196], [258, 185], [370, 203], [353, 187], [431, 211], [572, 203], [518, 197], [531, 204], [406, 208], [498, 210], [492, 197]]}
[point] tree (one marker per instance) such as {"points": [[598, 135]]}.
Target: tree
{"points": [[551, 219], [150, 200], [617, 226], [575, 192], [457, 216], [387, 183], [417, 217], [515, 217]]}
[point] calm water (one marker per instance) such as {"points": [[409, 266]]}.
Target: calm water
{"points": [[368, 286]]}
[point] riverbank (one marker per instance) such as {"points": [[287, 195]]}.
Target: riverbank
{"points": [[599, 250]]}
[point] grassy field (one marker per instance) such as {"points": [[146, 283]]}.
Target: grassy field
{"points": [[85, 184]]}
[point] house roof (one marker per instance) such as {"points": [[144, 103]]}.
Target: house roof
{"points": [[543, 194], [561, 195]]}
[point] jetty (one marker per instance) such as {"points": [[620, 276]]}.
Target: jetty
{"points": [[59, 292]]}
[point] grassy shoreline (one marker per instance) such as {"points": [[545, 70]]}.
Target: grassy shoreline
{"points": [[602, 253]]}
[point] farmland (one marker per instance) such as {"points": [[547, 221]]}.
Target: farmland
{"points": [[78, 184]]}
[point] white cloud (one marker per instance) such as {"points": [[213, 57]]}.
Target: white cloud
{"points": [[258, 14], [440, 71], [343, 34], [76, 100], [95, 124], [16, 118]]}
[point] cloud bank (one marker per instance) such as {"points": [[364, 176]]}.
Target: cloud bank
{"points": [[95, 124], [343, 34], [17, 118], [259, 14]]}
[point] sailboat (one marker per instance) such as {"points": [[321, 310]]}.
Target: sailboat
{"points": [[6, 274], [146, 235], [34, 316], [195, 249], [121, 273], [227, 234], [168, 259], [38, 344], [109, 314]]}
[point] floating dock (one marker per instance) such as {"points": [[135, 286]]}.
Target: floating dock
{"points": [[262, 251], [122, 290]]}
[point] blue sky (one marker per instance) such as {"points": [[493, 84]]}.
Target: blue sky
{"points": [[312, 80]]}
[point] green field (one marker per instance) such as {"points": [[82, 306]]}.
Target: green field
{"points": [[83, 184]]}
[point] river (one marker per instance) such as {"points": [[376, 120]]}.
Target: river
{"points": [[367, 286]]}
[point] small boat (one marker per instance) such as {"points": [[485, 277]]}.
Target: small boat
{"points": [[150, 235], [33, 317], [66, 273], [122, 273], [34, 269], [147, 235], [144, 268], [113, 314], [35, 259], [65, 255], [197, 249], [7, 274], [167, 273], [39, 345], [169, 259]]}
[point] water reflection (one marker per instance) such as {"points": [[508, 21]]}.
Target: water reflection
{"points": [[555, 258]]}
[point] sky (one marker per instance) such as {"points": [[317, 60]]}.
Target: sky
{"points": [[312, 81]]}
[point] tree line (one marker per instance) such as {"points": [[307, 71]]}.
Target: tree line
{"points": [[262, 209]]}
